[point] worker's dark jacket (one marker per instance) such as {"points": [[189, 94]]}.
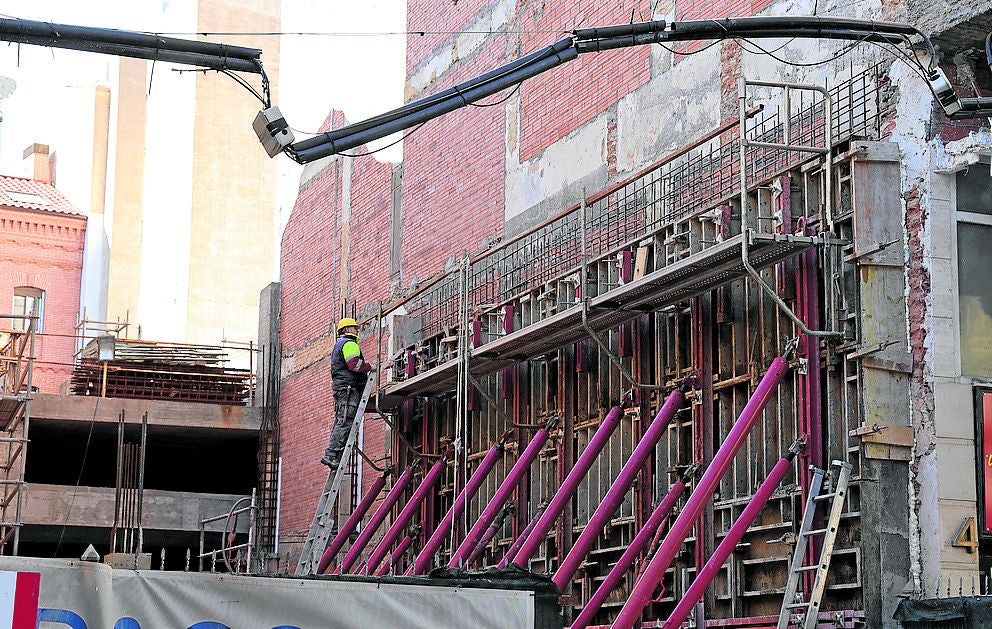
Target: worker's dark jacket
{"points": [[348, 366]]}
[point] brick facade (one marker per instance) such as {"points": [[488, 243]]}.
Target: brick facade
{"points": [[44, 250]]}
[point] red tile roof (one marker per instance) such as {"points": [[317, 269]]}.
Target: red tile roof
{"points": [[18, 192]]}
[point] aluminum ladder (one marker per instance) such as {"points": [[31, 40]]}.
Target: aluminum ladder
{"points": [[323, 518], [796, 612]]}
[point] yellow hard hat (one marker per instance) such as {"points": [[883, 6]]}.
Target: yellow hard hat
{"points": [[346, 322]]}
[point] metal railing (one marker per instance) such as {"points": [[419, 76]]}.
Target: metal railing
{"points": [[692, 180]]}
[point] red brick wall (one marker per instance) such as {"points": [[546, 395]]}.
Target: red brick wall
{"points": [[306, 410], [44, 250], [453, 177], [309, 261], [311, 303], [436, 20], [558, 102]]}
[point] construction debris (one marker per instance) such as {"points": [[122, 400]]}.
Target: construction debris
{"points": [[170, 371]]}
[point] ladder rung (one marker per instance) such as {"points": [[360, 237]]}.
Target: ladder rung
{"points": [[815, 532], [825, 496], [797, 605], [806, 568]]}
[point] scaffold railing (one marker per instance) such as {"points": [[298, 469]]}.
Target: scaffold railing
{"points": [[692, 180]]}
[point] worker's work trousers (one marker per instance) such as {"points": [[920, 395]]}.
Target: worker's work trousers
{"points": [[345, 408]]}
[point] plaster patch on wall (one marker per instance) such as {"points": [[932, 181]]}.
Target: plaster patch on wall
{"points": [[669, 110], [562, 163], [474, 35]]}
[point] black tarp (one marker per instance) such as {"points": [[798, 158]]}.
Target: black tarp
{"points": [[966, 611]]}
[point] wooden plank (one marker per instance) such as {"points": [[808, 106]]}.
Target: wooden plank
{"points": [[160, 412]]}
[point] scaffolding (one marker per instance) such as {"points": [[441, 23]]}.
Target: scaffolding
{"points": [[704, 264], [17, 354]]}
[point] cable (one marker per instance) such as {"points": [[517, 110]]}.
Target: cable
{"points": [[691, 52], [243, 83], [405, 136], [79, 478], [500, 101], [838, 55]]}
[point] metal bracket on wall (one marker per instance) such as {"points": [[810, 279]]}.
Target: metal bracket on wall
{"points": [[825, 151]]}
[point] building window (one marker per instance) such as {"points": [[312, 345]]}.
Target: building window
{"points": [[974, 232], [27, 301]]}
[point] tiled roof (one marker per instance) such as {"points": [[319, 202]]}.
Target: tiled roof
{"points": [[18, 192]]}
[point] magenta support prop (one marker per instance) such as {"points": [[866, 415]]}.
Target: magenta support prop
{"points": [[489, 534], [356, 516], [645, 586], [734, 535], [512, 550], [502, 494], [409, 509], [425, 559], [629, 556], [375, 521], [617, 491], [568, 487], [395, 557]]}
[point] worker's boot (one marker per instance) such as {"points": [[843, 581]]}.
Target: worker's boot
{"points": [[329, 462]]}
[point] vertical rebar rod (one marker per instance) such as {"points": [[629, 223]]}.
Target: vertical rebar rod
{"points": [[629, 556], [567, 489], [26, 425], [425, 559], [645, 586], [733, 537], [615, 495], [375, 521], [141, 479], [506, 488]]}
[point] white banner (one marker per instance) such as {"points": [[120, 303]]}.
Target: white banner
{"points": [[82, 595]]}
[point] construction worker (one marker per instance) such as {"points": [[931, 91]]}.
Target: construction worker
{"points": [[349, 373]]}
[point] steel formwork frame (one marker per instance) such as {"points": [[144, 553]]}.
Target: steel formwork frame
{"points": [[671, 213]]}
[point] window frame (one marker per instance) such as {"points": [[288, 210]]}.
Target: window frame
{"points": [[36, 294], [973, 218]]}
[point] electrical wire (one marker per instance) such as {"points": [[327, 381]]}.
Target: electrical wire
{"points": [[79, 478], [762, 51], [243, 83], [383, 148], [500, 101], [691, 52]]}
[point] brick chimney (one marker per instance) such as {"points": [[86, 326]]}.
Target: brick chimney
{"points": [[39, 163]]}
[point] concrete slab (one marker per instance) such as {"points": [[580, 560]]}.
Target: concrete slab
{"points": [[94, 506], [160, 412]]}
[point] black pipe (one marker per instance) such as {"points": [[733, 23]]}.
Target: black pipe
{"points": [[973, 108], [450, 104], [619, 30], [47, 30], [140, 52], [676, 36], [810, 23], [433, 99]]}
